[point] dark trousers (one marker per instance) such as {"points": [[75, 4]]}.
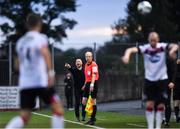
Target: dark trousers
{"points": [[168, 107], [69, 98], [78, 100]]}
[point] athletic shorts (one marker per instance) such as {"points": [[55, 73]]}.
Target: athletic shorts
{"points": [[156, 91], [93, 94], [28, 97], [176, 91], [176, 94]]}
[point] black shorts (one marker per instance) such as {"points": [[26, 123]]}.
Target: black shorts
{"points": [[28, 97], [86, 92], [156, 91], [176, 94], [176, 91]]}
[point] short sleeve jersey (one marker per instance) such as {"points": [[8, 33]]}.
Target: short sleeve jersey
{"points": [[91, 69], [33, 69], [154, 61]]}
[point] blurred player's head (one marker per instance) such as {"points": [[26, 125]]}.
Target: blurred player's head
{"points": [[79, 63], [153, 39], [68, 75], [34, 22], [89, 57]]}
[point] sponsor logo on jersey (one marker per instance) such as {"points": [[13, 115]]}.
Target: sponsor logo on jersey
{"points": [[88, 73], [154, 58]]}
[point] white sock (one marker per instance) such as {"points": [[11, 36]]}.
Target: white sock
{"points": [[150, 119], [57, 122], [15, 123], [158, 119]]}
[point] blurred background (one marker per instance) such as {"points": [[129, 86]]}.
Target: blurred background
{"points": [[104, 27]]}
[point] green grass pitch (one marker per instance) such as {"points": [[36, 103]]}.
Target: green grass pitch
{"points": [[104, 120]]}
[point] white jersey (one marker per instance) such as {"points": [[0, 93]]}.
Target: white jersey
{"points": [[33, 70], [155, 61]]}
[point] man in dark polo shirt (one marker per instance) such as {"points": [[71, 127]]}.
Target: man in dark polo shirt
{"points": [[79, 79], [176, 96], [91, 84], [171, 68]]}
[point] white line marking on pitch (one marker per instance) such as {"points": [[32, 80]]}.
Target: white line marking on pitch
{"points": [[74, 122], [136, 125], [100, 118]]}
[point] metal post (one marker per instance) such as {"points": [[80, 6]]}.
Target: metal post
{"points": [[10, 64], [178, 50], [137, 61], [137, 73], [94, 51], [52, 49]]}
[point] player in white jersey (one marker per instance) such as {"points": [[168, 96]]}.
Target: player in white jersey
{"points": [[36, 75], [155, 75]]}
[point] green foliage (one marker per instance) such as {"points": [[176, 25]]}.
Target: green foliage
{"points": [[120, 31], [109, 58], [164, 19], [68, 56], [17, 10]]}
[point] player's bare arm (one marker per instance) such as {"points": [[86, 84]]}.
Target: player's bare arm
{"points": [[92, 82], [83, 87], [46, 54], [171, 85], [128, 53], [172, 50]]}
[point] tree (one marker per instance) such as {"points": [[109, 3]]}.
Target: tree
{"points": [[120, 31], [63, 57], [17, 10], [164, 19]]}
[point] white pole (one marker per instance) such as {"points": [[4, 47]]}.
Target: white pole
{"points": [[53, 54], [137, 61], [10, 64], [95, 51], [178, 50]]}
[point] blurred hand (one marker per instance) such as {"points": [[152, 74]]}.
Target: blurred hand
{"points": [[125, 60], [172, 55], [178, 61], [91, 89], [83, 87], [84, 100], [68, 66], [51, 81], [171, 85]]}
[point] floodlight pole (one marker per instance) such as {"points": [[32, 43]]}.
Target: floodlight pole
{"points": [[94, 51], [178, 50], [52, 49], [137, 61], [10, 64]]}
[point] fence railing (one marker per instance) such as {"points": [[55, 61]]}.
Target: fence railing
{"points": [[59, 57], [117, 80]]}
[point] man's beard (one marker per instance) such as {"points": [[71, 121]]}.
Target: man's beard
{"points": [[79, 66]]}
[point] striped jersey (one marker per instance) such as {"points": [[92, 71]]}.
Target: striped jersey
{"points": [[33, 69], [154, 61]]}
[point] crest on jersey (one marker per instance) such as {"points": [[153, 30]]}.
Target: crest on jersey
{"points": [[88, 73], [154, 58], [94, 69]]}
